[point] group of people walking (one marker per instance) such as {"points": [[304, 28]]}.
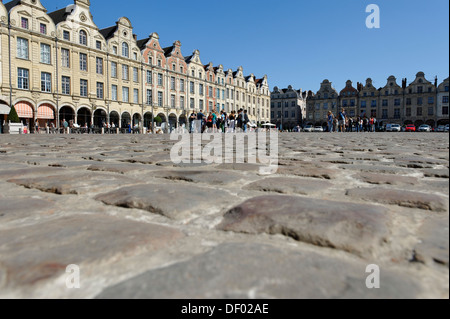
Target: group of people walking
{"points": [[344, 123], [218, 122]]}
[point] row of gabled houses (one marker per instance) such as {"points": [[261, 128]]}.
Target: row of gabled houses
{"points": [[60, 65]]}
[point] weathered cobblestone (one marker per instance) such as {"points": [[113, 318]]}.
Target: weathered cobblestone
{"points": [[140, 226]]}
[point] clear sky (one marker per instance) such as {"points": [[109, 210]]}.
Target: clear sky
{"points": [[296, 42]]}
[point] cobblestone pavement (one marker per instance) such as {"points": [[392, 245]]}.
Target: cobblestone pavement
{"points": [[139, 226]]}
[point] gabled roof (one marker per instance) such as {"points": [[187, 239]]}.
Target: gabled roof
{"points": [[108, 33], [142, 43], [12, 4], [168, 51], [188, 58], [59, 15]]}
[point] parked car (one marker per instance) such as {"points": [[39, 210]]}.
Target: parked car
{"points": [[308, 128], [318, 129], [424, 128], [410, 128], [441, 128], [393, 128]]}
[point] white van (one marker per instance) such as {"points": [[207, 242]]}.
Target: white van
{"points": [[393, 128]]}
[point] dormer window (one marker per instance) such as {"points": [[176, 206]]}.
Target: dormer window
{"points": [[66, 35], [174, 67], [114, 50], [125, 50], [135, 56], [24, 23], [43, 28], [83, 37], [98, 45], [159, 63]]}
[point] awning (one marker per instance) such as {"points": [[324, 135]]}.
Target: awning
{"points": [[45, 112], [24, 110], [4, 109]]}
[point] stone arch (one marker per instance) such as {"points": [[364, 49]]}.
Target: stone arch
{"points": [[100, 117], [148, 119], [173, 120], [84, 116], [137, 119], [114, 117], [125, 119], [46, 114], [431, 123], [163, 118], [66, 112], [419, 123]]}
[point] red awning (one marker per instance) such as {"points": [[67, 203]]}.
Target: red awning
{"points": [[45, 112], [24, 110]]}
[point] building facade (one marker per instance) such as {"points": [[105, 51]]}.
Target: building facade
{"points": [[442, 103], [62, 66], [420, 102], [288, 107]]}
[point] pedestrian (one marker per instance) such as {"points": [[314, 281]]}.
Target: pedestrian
{"points": [[330, 121], [342, 116]]}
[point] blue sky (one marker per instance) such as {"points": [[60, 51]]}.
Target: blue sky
{"points": [[298, 43]]}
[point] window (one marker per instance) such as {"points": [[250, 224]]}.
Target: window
{"points": [[99, 65], [174, 67], [445, 99], [396, 113], [65, 58], [419, 111], [374, 103], [45, 53], [125, 94], [446, 88], [150, 60], [43, 28], [192, 104], [23, 79], [172, 101], [385, 102], [408, 112], [210, 91], [431, 100], [149, 97], [272, 114], [408, 101], [125, 75], [181, 85], [99, 90], [172, 83], [65, 89], [345, 103], [125, 50], [325, 106], [114, 69], [182, 102], [149, 77], [293, 114], [114, 92], [217, 93], [431, 111], [160, 98], [223, 94], [160, 79], [352, 102], [98, 45], [22, 48], [386, 92], [420, 89], [24, 23], [445, 110], [397, 102], [83, 37], [136, 75], [84, 88], [419, 101], [66, 35], [136, 96], [317, 106], [83, 62], [279, 114], [200, 89], [430, 89], [159, 63], [384, 114], [46, 82], [192, 87], [115, 50], [181, 69], [135, 56]]}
